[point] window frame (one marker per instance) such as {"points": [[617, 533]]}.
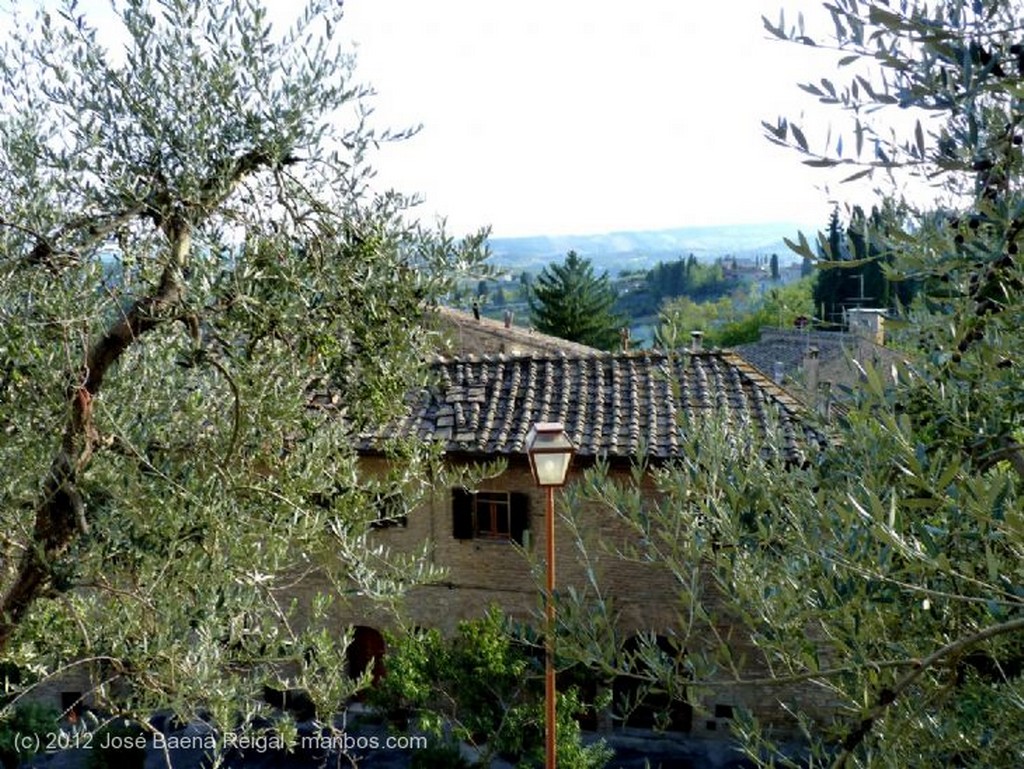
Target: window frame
{"points": [[492, 515], [484, 513]]}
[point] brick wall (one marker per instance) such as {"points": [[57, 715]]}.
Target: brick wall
{"points": [[480, 573]]}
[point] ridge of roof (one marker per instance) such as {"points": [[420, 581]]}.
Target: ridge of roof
{"points": [[464, 321]]}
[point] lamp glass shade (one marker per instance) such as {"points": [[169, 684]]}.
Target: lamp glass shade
{"points": [[550, 452]]}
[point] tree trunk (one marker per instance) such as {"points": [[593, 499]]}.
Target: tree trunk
{"points": [[60, 513]]}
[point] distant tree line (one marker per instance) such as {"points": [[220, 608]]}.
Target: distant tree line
{"points": [[735, 319], [679, 278], [688, 277]]}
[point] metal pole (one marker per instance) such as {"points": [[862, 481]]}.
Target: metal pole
{"points": [[549, 637]]}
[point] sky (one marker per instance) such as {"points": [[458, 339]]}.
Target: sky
{"points": [[592, 116], [554, 117]]}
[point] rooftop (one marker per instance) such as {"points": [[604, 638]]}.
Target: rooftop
{"points": [[613, 405], [483, 336], [784, 349]]}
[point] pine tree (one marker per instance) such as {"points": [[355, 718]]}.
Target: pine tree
{"points": [[569, 301]]}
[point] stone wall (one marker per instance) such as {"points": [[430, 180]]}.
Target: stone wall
{"points": [[466, 335], [645, 597]]}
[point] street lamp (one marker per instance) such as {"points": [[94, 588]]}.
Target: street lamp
{"points": [[550, 451]]}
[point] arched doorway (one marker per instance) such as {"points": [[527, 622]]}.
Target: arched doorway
{"points": [[366, 652]]}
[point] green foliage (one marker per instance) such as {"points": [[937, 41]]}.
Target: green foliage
{"points": [[567, 300], [486, 684], [885, 574], [201, 304], [24, 731], [730, 322], [688, 277], [666, 281], [847, 574]]}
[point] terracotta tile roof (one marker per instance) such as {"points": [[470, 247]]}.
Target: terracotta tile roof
{"points": [[614, 405]]}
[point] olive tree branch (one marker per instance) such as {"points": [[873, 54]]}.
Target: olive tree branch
{"points": [[887, 696]]}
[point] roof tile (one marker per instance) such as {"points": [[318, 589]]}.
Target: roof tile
{"points": [[612, 404]]}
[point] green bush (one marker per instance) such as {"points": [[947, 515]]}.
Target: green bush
{"points": [[485, 687], [30, 720]]}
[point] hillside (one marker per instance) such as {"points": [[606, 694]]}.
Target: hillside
{"points": [[617, 251]]}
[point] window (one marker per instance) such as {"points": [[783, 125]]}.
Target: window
{"points": [[389, 505], [492, 515], [495, 515]]}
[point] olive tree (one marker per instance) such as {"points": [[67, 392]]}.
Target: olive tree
{"points": [[885, 572], [201, 303]]}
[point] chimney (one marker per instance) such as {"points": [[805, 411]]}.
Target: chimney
{"points": [[778, 372], [867, 323], [825, 404], [508, 318], [696, 341], [624, 338], [811, 374]]}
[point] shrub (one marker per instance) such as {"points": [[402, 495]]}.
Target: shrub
{"points": [[28, 720]]}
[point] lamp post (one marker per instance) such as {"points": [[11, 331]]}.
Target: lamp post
{"points": [[550, 451]]}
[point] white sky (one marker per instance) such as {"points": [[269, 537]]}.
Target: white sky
{"points": [[591, 116]]}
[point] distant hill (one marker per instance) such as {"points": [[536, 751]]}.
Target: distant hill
{"points": [[617, 251]]}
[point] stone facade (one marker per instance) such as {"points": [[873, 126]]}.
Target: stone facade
{"points": [[481, 572], [615, 408]]}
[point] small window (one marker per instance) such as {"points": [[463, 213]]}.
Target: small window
{"points": [[723, 711], [493, 515], [71, 705]]}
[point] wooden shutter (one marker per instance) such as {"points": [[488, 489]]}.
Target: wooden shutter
{"points": [[519, 515], [462, 514]]}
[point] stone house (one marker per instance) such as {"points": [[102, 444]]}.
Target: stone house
{"points": [[616, 408]]}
